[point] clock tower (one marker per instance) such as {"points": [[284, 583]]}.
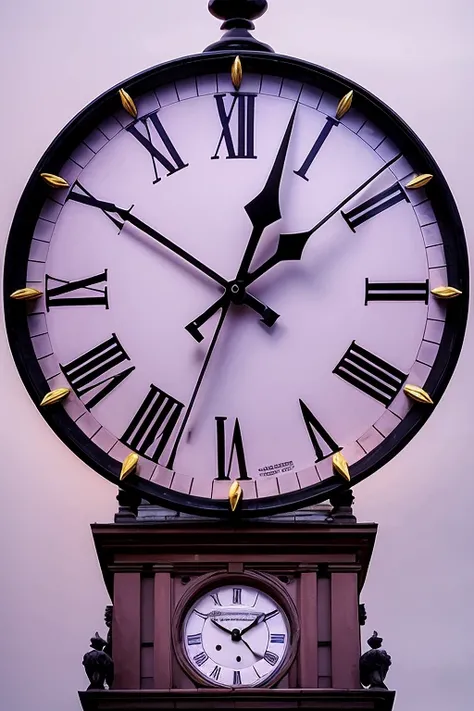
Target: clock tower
{"points": [[236, 285]]}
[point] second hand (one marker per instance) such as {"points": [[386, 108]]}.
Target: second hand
{"points": [[172, 456]]}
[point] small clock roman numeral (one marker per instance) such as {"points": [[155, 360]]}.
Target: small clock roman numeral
{"points": [[237, 448], [237, 679], [85, 294], [85, 373], [244, 132], [237, 596], [152, 130], [215, 673], [370, 374], [215, 598], [277, 639], [271, 658], [374, 206], [397, 291], [330, 123], [194, 639], [152, 426], [200, 659], [315, 430]]}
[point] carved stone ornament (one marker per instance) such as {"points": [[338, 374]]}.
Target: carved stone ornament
{"points": [[98, 663], [374, 664]]}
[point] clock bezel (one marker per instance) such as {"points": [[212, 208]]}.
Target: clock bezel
{"points": [[210, 581], [36, 192]]}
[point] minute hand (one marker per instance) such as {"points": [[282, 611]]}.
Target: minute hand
{"points": [[264, 209], [290, 246]]}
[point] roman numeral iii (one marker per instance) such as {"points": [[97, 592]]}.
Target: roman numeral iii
{"points": [[82, 292], [238, 134], [370, 374], [152, 427], [323, 443], [397, 291], [374, 206], [86, 372], [236, 448], [150, 133]]}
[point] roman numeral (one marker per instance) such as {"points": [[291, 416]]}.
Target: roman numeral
{"points": [[374, 206], [397, 291], [237, 596], [271, 658], [330, 123], [242, 130], [237, 448], [85, 373], [237, 679], [194, 639], [277, 639], [169, 159], [152, 426], [200, 614], [215, 673], [201, 658], [85, 294], [370, 374], [316, 429], [83, 196], [215, 597]]}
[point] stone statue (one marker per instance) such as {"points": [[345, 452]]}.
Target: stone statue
{"points": [[98, 665], [374, 664], [108, 622]]}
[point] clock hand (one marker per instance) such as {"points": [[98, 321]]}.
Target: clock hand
{"points": [[291, 246], [259, 656], [264, 209], [220, 626], [256, 621], [269, 316], [224, 310]]}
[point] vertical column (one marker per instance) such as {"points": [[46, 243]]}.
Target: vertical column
{"points": [[308, 654], [162, 636], [126, 629], [345, 633]]}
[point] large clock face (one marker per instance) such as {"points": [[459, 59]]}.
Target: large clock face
{"points": [[237, 285], [236, 635]]}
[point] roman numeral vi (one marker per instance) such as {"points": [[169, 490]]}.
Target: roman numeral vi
{"points": [[318, 435], [237, 449]]}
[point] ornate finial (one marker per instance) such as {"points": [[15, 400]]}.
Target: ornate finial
{"points": [[238, 16]]}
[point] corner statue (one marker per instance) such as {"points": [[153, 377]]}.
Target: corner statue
{"points": [[98, 665], [374, 664]]}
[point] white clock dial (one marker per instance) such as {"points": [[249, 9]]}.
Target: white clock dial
{"points": [[238, 285], [236, 635]]}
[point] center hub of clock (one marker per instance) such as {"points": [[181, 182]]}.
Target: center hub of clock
{"points": [[236, 291]]}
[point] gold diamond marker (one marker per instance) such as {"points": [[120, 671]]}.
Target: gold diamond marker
{"points": [[446, 292], [54, 181], [340, 466], [237, 73], [129, 465], [54, 397], [418, 394], [344, 105], [128, 103], [419, 182], [235, 495], [27, 294]]}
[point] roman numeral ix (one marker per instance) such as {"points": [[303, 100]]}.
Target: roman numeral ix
{"points": [[77, 293], [151, 131], [374, 206], [151, 428], [318, 435], [370, 374], [85, 373], [238, 135], [237, 449], [397, 291]]}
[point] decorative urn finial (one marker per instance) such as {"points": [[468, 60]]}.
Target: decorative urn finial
{"points": [[238, 16]]}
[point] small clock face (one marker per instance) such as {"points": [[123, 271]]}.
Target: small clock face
{"points": [[237, 284], [236, 635]]}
